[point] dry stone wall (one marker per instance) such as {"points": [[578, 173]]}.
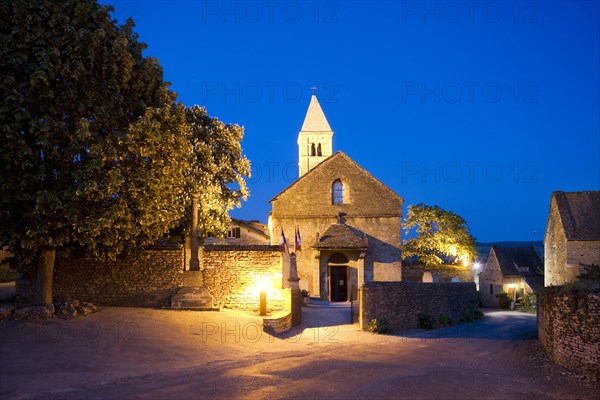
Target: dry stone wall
{"points": [[414, 273], [400, 303], [569, 328], [147, 279], [233, 275]]}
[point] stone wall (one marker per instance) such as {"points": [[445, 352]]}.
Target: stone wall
{"points": [[564, 259], [569, 328], [401, 302], [233, 275], [148, 279], [414, 273], [491, 281]]}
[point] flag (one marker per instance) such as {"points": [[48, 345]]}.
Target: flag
{"points": [[283, 242], [298, 240]]}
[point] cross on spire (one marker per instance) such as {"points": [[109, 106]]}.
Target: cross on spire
{"points": [[313, 88]]}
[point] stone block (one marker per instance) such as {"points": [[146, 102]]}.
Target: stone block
{"points": [[193, 298], [192, 278]]}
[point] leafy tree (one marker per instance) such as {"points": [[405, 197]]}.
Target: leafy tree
{"points": [[216, 163], [437, 233], [93, 148]]}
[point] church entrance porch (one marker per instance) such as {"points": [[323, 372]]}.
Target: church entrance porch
{"points": [[338, 282]]}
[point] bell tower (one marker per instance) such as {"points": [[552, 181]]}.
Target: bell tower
{"points": [[314, 139]]}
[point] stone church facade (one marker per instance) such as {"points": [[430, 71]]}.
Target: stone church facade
{"points": [[349, 222]]}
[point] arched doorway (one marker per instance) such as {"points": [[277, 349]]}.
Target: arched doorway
{"points": [[338, 277]]}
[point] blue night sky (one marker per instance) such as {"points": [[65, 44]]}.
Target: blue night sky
{"points": [[482, 108]]}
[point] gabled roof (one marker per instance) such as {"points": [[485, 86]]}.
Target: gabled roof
{"points": [[511, 259], [315, 120], [254, 226], [580, 214], [327, 161], [535, 282], [341, 236]]}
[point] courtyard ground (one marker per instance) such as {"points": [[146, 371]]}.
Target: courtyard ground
{"points": [[164, 354]]}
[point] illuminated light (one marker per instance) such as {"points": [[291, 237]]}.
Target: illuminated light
{"points": [[476, 266], [512, 285], [263, 302]]}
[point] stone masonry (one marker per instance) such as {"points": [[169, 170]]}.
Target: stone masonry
{"points": [[401, 302], [148, 279], [569, 328], [233, 275], [572, 237], [370, 208]]}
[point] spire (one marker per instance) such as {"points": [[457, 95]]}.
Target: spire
{"points": [[315, 138], [315, 120]]}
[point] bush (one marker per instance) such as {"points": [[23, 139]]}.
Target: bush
{"points": [[379, 326], [6, 273], [426, 321], [443, 320], [504, 300], [478, 314], [528, 301], [467, 317], [591, 273]]}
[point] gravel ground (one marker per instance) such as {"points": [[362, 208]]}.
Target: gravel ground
{"points": [[138, 353]]}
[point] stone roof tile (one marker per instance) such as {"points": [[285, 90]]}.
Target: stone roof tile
{"points": [[513, 258], [340, 236], [580, 214]]}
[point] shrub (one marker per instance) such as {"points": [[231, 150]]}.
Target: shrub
{"points": [[478, 314], [591, 273], [504, 300], [425, 320], [6, 273], [379, 326], [443, 320], [528, 301], [305, 293]]}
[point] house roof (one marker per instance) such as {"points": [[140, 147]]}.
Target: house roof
{"points": [[580, 214], [254, 226], [535, 282], [341, 236], [323, 164], [511, 259], [315, 120]]}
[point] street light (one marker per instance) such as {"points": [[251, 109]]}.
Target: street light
{"points": [[263, 302]]}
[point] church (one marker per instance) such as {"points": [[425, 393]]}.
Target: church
{"points": [[349, 222]]}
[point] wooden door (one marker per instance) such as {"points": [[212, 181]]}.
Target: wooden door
{"points": [[338, 283]]}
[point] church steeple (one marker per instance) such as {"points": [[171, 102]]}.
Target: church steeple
{"points": [[315, 138]]}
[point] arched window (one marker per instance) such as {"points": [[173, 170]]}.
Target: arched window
{"points": [[313, 152], [337, 190], [319, 149]]}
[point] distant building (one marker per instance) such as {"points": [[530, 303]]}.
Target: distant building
{"points": [[350, 223], [243, 232], [512, 270], [572, 238]]}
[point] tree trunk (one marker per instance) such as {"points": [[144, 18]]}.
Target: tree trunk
{"points": [[42, 290]]}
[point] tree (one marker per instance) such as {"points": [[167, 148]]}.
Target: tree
{"points": [[437, 233], [216, 162], [93, 147]]}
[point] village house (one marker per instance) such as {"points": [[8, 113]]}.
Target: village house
{"points": [[350, 223], [242, 232], [512, 270], [572, 239]]}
